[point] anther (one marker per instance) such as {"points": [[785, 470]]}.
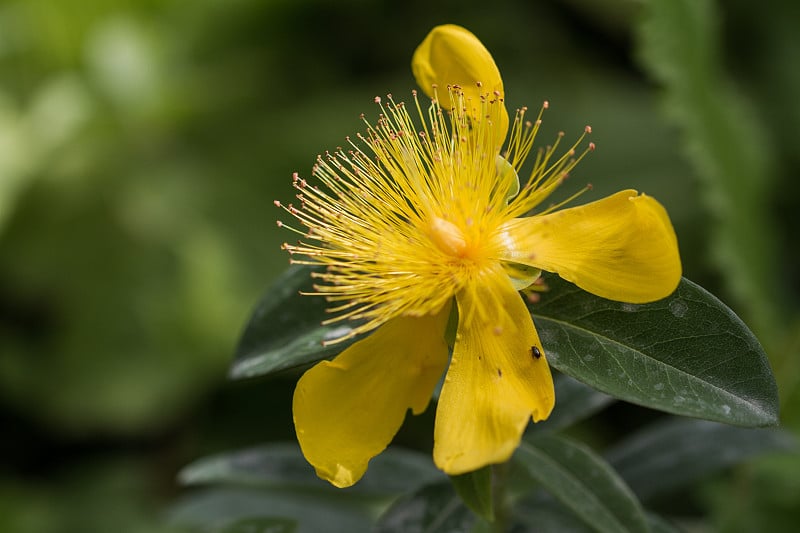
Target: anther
{"points": [[377, 99], [277, 203], [587, 129], [591, 146], [545, 105]]}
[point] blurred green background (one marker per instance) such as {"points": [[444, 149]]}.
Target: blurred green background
{"points": [[143, 142]]}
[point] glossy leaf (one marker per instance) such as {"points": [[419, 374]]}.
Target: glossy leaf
{"points": [[278, 465], [432, 509], [687, 354], [583, 482], [285, 330], [672, 454], [218, 508], [475, 490], [545, 515], [574, 402], [262, 525]]}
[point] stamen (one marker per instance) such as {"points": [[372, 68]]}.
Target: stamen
{"points": [[404, 216]]}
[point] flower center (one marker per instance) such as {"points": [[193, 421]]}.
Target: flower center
{"points": [[448, 237]]}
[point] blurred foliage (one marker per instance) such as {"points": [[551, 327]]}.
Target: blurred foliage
{"points": [[142, 143]]}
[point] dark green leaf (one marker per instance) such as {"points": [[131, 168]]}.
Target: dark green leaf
{"points": [[211, 510], [583, 482], [475, 490], [545, 515], [687, 354], [282, 465], [574, 402], [262, 525], [659, 524], [432, 509], [285, 331], [671, 454]]}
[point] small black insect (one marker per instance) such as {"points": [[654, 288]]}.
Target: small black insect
{"points": [[535, 352]]}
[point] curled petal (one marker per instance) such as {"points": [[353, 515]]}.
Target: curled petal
{"points": [[452, 55], [346, 411], [498, 378], [622, 247]]}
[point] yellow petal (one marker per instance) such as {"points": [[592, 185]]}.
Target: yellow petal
{"points": [[346, 411], [451, 55], [622, 247], [498, 378]]}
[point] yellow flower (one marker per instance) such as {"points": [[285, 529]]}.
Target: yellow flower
{"points": [[411, 221]]}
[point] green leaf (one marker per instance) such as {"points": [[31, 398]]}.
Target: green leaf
{"points": [[475, 490], [215, 509], [284, 331], [574, 402], [659, 524], [544, 515], [671, 454], [262, 525], [432, 509], [281, 465], [583, 482], [687, 354]]}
